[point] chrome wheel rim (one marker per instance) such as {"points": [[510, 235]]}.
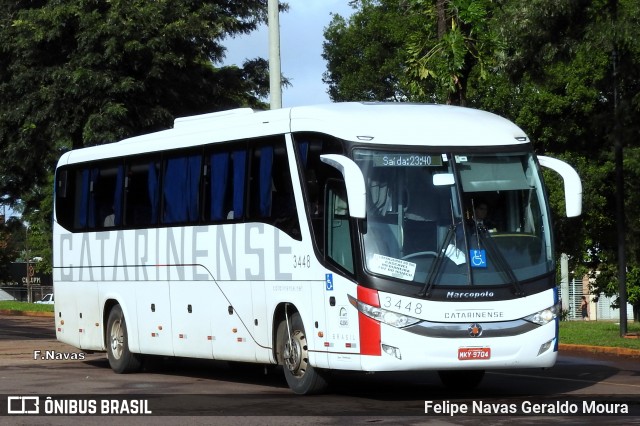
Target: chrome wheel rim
{"points": [[295, 354], [117, 339]]}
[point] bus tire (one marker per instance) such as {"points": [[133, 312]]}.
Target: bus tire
{"points": [[121, 359], [302, 377], [461, 379]]}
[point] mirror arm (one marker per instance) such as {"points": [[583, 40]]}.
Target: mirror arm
{"points": [[572, 184], [354, 181]]}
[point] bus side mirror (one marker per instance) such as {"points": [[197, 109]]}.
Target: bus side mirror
{"points": [[572, 184], [354, 181]]}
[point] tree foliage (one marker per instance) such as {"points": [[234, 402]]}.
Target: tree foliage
{"points": [[77, 73], [83, 72], [12, 236], [461, 45], [365, 55], [410, 50], [547, 65]]}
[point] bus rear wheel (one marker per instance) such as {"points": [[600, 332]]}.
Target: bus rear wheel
{"points": [[293, 352], [121, 359], [461, 379]]}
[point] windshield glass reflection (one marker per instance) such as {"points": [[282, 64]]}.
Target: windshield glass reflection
{"points": [[438, 219]]}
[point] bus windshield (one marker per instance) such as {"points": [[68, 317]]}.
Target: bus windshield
{"points": [[444, 219]]}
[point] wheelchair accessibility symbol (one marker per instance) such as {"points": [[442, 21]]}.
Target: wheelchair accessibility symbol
{"points": [[329, 281], [478, 258]]}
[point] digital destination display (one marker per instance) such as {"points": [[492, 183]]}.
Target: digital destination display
{"points": [[406, 160]]}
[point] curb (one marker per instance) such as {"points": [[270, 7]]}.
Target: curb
{"points": [[631, 353], [16, 313]]}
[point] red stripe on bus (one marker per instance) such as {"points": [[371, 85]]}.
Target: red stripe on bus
{"points": [[370, 335], [368, 296]]}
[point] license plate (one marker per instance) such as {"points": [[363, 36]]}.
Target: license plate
{"points": [[466, 354]]}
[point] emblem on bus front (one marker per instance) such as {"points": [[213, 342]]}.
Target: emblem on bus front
{"points": [[475, 330]]}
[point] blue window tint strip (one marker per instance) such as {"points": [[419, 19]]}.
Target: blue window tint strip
{"points": [[239, 173], [172, 188], [91, 220], [87, 211], [219, 175], [154, 191], [193, 185], [266, 166], [303, 149], [117, 197], [85, 182], [180, 189]]}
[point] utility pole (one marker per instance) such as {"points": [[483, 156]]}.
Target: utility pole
{"points": [[275, 84], [28, 275], [620, 222], [622, 262]]}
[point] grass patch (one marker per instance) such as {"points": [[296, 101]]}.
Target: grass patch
{"points": [[598, 333], [12, 305]]}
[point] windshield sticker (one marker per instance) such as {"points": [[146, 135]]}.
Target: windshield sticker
{"points": [[455, 254], [478, 258], [392, 267]]}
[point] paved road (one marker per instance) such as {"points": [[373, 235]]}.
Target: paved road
{"points": [[197, 388]]}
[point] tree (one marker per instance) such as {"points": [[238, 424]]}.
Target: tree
{"points": [[366, 55], [462, 45], [561, 63], [83, 72], [552, 74], [12, 237], [410, 50]]}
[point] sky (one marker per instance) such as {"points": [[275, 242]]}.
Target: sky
{"points": [[301, 38]]}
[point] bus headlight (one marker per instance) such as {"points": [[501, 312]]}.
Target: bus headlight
{"points": [[393, 319], [546, 315]]}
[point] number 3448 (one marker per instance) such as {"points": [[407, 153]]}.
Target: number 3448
{"points": [[303, 261]]}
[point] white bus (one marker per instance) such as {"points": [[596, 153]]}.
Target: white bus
{"points": [[337, 237]]}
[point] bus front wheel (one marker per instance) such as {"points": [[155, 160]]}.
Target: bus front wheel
{"points": [[293, 352], [120, 358]]}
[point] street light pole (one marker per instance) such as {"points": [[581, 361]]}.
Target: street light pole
{"points": [[275, 84], [619, 165], [26, 255]]}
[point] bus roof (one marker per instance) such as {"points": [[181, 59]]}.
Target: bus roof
{"points": [[376, 123]]}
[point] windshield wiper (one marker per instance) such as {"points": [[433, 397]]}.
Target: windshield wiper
{"points": [[437, 263], [496, 255]]}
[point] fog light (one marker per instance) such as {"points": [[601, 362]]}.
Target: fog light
{"points": [[545, 347], [391, 350]]}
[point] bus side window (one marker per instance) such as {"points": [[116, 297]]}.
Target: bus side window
{"points": [[108, 196], [65, 198], [85, 203], [271, 191], [225, 184], [315, 174], [181, 189], [338, 229], [138, 207], [284, 213]]}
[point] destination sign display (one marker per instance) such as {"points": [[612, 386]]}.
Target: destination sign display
{"points": [[406, 160]]}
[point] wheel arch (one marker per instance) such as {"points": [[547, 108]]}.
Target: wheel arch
{"points": [[108, 306]]}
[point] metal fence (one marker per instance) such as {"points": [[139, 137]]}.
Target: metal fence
{"points": [[598, 310], [21, 293]]}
